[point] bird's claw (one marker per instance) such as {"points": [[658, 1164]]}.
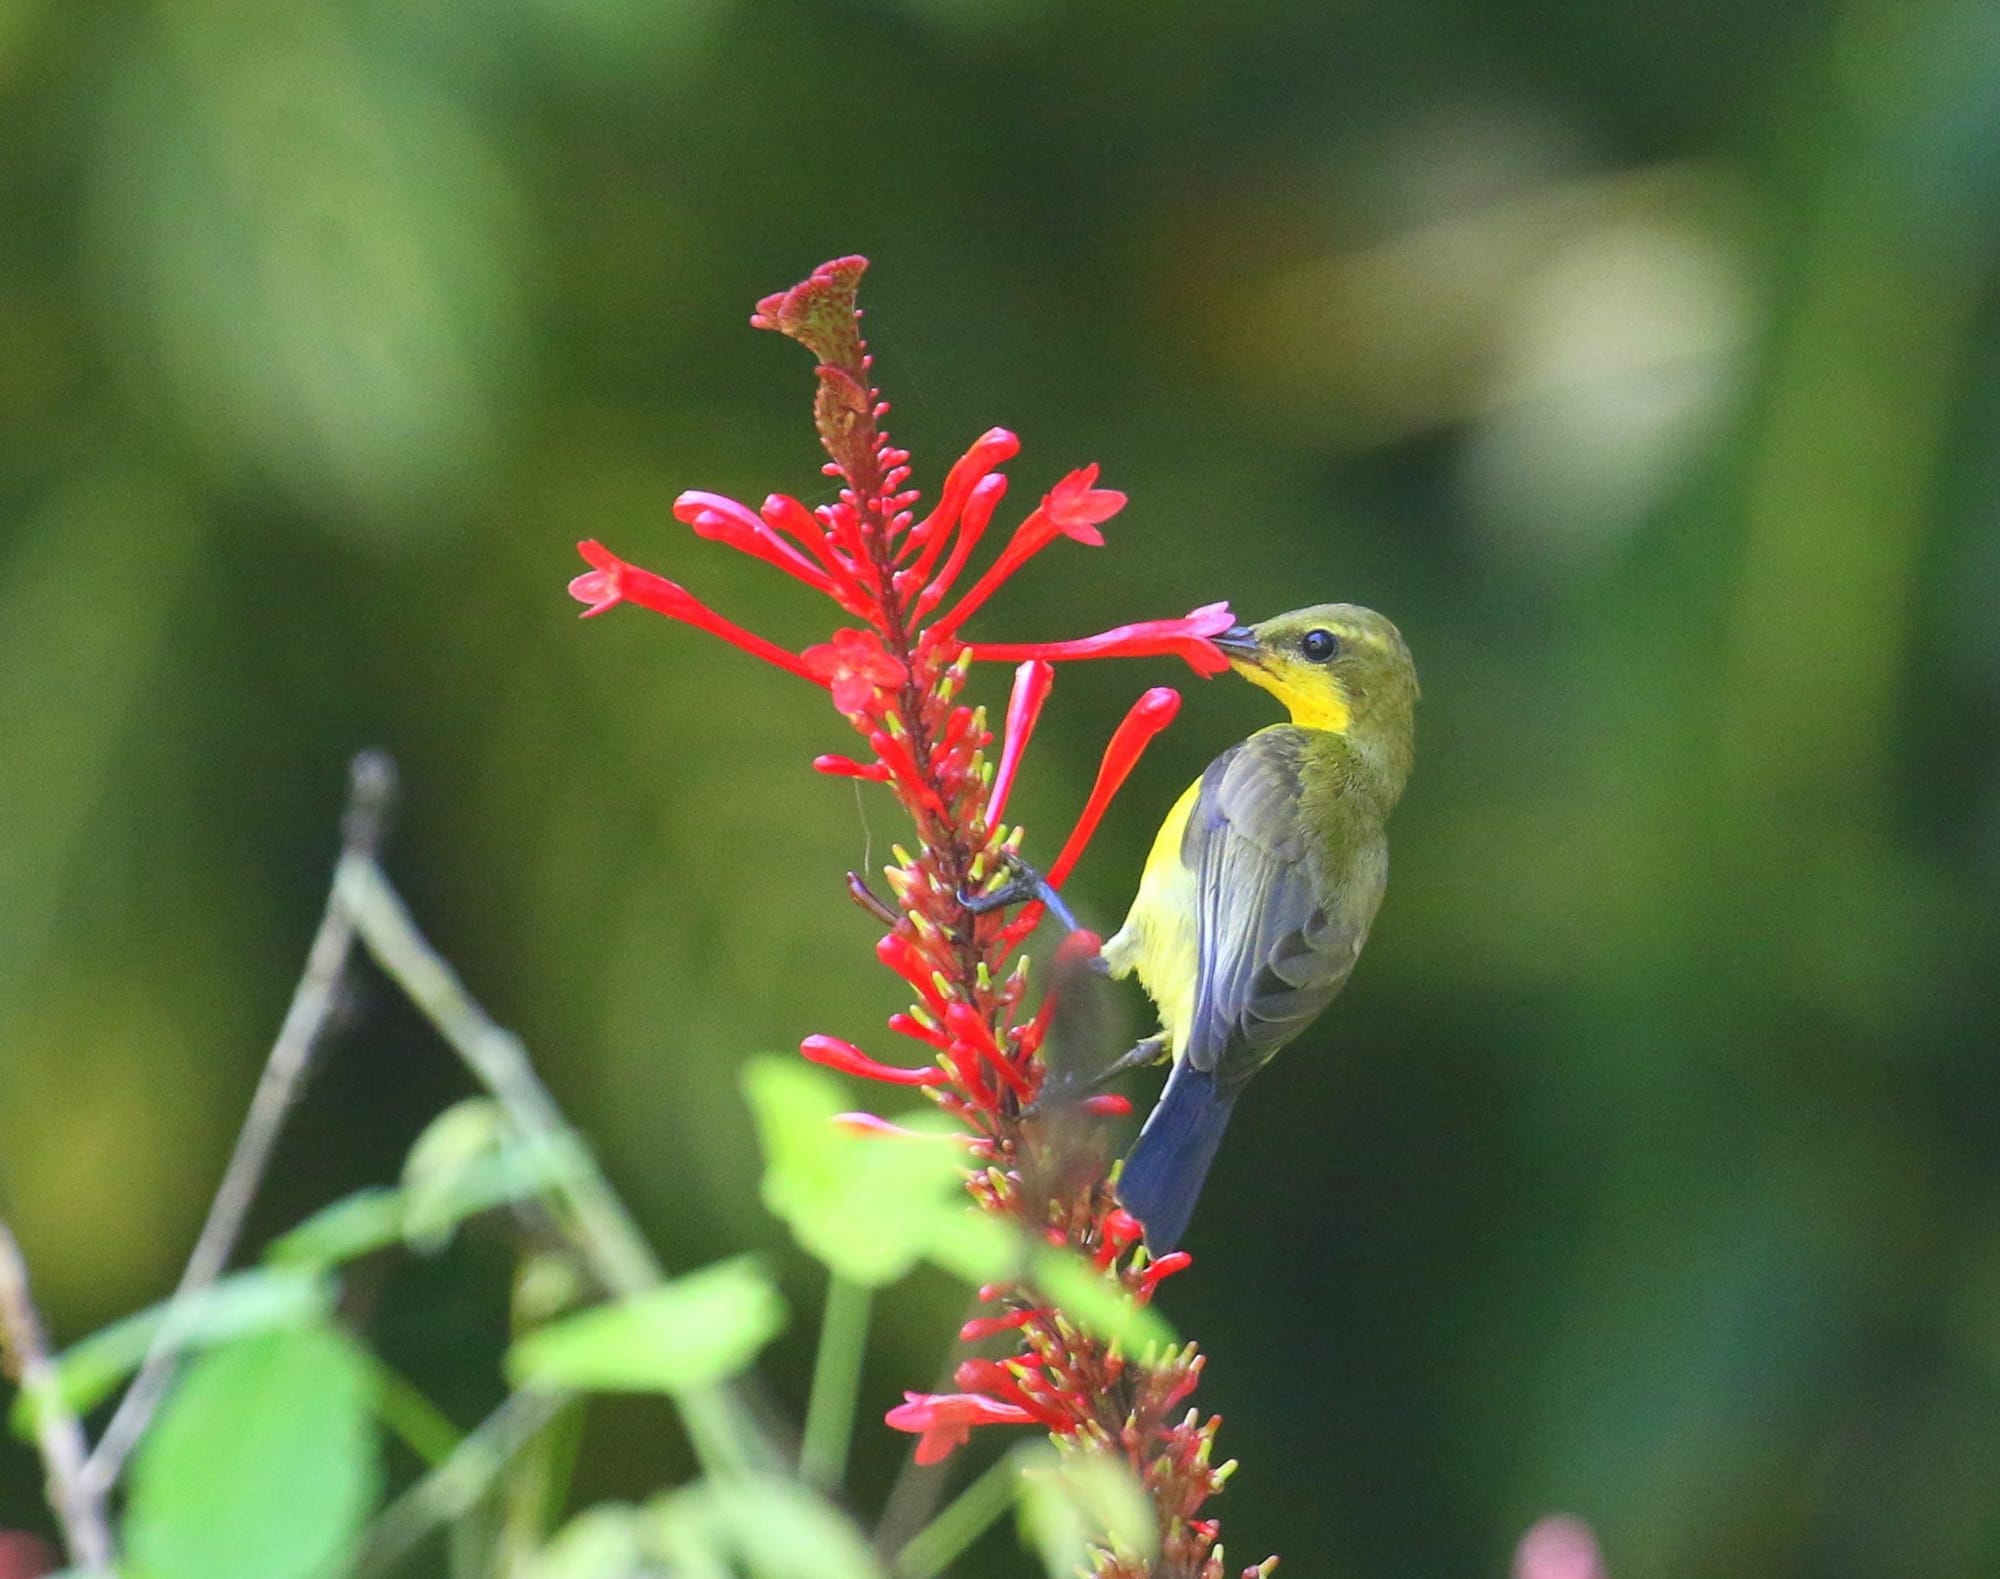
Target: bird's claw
{"points": [[1026, 884]]}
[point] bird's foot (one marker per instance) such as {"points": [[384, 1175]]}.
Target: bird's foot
{"points": [[1025, 884], [1060, 1090]]}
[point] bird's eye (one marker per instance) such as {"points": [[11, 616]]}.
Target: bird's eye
{"points": [[1319, 645]]}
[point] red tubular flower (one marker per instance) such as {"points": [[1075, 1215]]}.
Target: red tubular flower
{"points": [[1032, 683], [1146, 718], [972, 469], [1075, 507], [980, 1328], [1189, 638], [855, 665], [847, 768], [614, 582], [971, 528], [943, 1421], [725, 521], [851, 1060]]}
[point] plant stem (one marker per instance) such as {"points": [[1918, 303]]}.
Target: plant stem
{"points": [[967, 1517], [836, 1383], [79, 1508], [457, 1485], [418, 1423]]}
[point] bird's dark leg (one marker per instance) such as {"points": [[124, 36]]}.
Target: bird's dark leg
{"points": [[1073, 1088], [1150, 1051], [1026, 884]]}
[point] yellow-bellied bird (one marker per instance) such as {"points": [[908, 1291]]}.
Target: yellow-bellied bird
{"points": [[1262, 884]]}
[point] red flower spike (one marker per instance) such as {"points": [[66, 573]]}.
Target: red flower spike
{"points": [[1147, 717], [898, 680], [943, 1421], [614, 582], [1107, 1104], [1032, 683], [1190, 639], [851, 1060]]}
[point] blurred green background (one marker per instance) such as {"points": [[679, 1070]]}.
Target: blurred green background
{"points": [[1638, 360]]}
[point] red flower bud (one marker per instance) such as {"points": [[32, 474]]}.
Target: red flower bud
{"points": [[943, 1421], [849, 1059]]}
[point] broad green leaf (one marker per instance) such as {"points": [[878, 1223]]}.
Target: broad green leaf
{"points": [[466, 1162], [1097, 1304], [239, 1305], [978, 1247], [262, 1465], [868, 1206], [1073, 1500], [768, 1529], [691, 1333]]}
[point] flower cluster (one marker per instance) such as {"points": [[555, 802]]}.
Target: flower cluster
{"points": [[897, 673]]}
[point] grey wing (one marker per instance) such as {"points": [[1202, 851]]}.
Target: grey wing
{"points": [[1270, 955]]}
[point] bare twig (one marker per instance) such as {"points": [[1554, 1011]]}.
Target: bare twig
{"points": [[371, 790], [78, 1507]]}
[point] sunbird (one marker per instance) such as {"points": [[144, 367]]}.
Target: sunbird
{"points": [[1262, 884]]}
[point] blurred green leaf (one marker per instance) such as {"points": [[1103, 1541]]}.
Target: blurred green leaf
{"points": [[353, 1226], [1072, 1500], [262, 1465], [691, 1333], [868, 1206], [768, 1529], [310, 250], [608, 1542], [1095, 1303], [448, 1180], [238, 1306]]}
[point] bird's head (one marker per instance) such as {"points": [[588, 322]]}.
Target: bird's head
{"points": [[1335, 666]]}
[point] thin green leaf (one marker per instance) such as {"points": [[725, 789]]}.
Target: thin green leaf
{"points": [[234, 1307], [688, 1334], [344, 1230]]}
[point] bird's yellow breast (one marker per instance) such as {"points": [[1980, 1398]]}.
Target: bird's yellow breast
{"points": [[1158, 937]]}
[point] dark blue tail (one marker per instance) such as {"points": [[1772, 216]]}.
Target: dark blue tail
{"points": [[1163, 1176]]}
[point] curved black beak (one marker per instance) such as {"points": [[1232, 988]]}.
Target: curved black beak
{"points": [[1239, 641]]}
